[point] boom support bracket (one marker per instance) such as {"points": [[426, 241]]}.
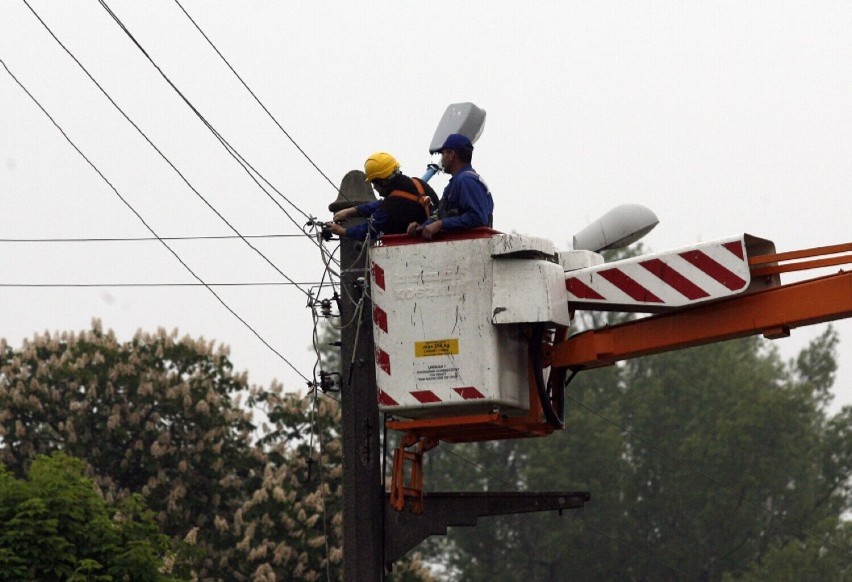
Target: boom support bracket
{"points": [[403, 530]]}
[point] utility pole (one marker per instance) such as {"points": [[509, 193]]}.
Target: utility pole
{"points": [[363, 495]]}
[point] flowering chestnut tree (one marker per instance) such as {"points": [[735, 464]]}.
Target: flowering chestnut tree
{"points": [[246, 481]]}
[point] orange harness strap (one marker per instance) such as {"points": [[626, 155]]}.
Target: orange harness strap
{"points": [[422, 199]]}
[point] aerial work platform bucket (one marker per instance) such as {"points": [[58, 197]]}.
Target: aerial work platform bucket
{"points": [[435, 306]]}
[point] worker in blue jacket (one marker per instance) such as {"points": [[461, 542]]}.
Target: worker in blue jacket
{"points": [[466, 202]]}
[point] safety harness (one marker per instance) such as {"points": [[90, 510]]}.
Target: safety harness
{"points": [[421, 198]]}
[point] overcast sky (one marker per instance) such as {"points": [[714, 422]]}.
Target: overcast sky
{"points": [[722, 117]]}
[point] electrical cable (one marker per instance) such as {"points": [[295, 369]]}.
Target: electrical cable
{"points": [[162, 155], [363, 253], [315, 428], [146, 238], [247, 167], [328, 258], [326, 261], [257, 99], [153, 239], [231, 150], [147, 226], [553, 416], [205, 284], [364, 295], [359, 308]]}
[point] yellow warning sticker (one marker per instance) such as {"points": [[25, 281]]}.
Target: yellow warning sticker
{"points": [[444, 347]]}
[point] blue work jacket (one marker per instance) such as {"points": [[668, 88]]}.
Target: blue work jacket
{"points": [[466, 202]]}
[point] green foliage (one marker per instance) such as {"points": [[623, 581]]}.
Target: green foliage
{"points": [[703, 464], [822, 555], [55, 526], [244, 481], [154, 416]]}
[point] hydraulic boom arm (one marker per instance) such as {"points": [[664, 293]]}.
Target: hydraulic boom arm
{"points": [[772, 312]]}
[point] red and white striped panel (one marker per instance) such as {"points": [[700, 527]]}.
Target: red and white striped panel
{"points": [[663, 280], [420, 397], [380, 333]]}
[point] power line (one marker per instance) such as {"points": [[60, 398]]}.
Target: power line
{"points": [[69, 285], [169, 238], [147, 226], [147, 238], [232, 151], [151, 143], [272, 117]]}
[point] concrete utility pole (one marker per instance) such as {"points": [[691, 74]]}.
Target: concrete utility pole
{"points": [[363, 497]]}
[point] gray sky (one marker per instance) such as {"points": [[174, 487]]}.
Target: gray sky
{"points": [[722, 117]]}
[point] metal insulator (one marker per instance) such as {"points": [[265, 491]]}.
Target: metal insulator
{"points": [[327, 383]]}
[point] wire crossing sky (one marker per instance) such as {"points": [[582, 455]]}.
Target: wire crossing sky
{"points": [[165, 244], [722, 119]]}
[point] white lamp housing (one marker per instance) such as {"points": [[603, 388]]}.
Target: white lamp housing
{"points": [[464, 118], [621, 226]]}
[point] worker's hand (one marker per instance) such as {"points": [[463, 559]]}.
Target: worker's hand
{"points": [[413, 229], [344, 214], [335, 228], [432, 229]]}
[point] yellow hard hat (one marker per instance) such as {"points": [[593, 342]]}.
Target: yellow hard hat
{"points": [[379, 166]]}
